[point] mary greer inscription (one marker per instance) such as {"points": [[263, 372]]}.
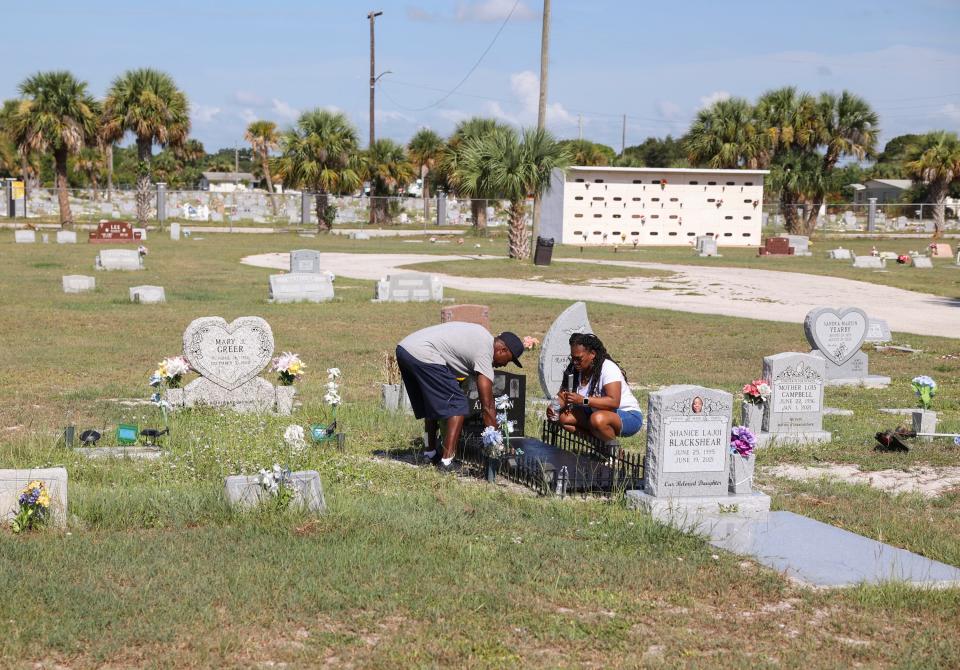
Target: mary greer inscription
{"points": [[229, 355]]}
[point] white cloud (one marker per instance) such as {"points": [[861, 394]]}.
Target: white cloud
{"points": [[420, 14], [497, 111], [249, 98], [487, 11], [669, 110], [284, 110], [526, 89], [204, 113], [952, 112], [716, 96], [247, 115], [391, 115]]}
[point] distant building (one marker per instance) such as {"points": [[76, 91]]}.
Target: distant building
{"points": [[227, 182], [884, 190], [653, 206]]}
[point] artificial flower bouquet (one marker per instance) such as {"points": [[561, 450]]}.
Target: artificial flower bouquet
{"points": [[289, 367], [926, 389], [170, 372], [34, 508], [757, 392], [742, 442]]}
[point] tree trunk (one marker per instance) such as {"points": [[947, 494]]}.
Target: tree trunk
{"points": [[144, 149], [60, 161], [811, 211], [425, 193], [265, 163], [109, 171], [519, 236], [96, 186], [788, 203], [479, 210], [321, 200], [938, 193]]}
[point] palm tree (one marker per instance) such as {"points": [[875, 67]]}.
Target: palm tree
{"points": [[264, 138], [473, 128], [935, 160], [8, 148], [191, 152], [90, 162], [585, 152], [425, 149], [147, 103], [320, 154], [56, 114], [726, 135], [388, 169], [515, 168]]}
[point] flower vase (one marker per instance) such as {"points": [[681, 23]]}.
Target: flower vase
{"points": [[741, 473], [391, 396], [925, 421], [751, 416], [284, 399], [493, 464]]}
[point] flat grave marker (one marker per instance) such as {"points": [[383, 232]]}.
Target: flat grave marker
{"points": [[78, 283]]}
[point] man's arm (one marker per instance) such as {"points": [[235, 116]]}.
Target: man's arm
{"points": [[485, 391]]}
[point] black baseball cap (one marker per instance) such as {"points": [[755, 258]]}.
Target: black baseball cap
{"points": [[514, 344]]}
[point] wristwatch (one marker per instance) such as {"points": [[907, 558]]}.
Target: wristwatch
{"points": [[586, 401]]}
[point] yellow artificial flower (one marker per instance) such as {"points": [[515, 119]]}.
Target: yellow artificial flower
{"points": [[44, 499], [294, 369]]}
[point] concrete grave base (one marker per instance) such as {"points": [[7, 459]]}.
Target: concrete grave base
{"points": [[894, 410], [12, 482], [689, 512], [256, 395], [811, 437], [134, 452], [836, 411], [870, 381], [244, 492]]}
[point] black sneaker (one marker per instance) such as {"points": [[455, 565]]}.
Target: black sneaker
{"points": [[432, 460], [452, 468]]}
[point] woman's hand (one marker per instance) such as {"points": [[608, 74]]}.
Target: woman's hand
{"points": [[569, 398]]}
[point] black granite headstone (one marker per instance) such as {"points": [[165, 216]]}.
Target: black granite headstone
{"points": [[514, 386]]}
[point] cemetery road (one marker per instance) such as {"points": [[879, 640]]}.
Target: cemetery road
{"points": [[742, 292]]}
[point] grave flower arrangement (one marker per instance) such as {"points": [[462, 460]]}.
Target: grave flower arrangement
{"points": [[742, 441], [276, 483], [530, 342], [34, 508], [289, 367], [757, 392], [742, 459], [494, 438], [170, 372], [925, 388], [332, 396], [903, 259]]}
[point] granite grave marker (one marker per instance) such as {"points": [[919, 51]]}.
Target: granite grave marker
{"points": [[119, 259], [301, 287], [479, 314], [555, 350], [78, 283], [836, 335], [305, 260], [147, 295], [409, 287]]}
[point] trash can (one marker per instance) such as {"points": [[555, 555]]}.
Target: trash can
{"points": [[544, 251]]}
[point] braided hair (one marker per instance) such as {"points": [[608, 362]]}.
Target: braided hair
{"points": [[591, 342]]}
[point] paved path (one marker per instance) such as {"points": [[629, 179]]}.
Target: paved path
{"points": [[741, 292]]}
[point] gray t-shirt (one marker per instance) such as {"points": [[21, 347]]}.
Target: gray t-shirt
{"points": [[465, 348]]}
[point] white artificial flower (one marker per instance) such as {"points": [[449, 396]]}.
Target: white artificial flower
{"points": [[294, 437], [176, 366], [333, 373], [503, 402], [332, 387]]}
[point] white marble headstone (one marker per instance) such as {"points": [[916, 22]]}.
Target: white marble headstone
{"points": [[555, 350], [922, 263], [878, 330], [228, 355], [66, 237], [301, 287], [24, 236], [174, 231], [304, 260], [796, 399], [870, 262], [119, 259], [78, 283], [147, 295], [409, 287], [837, 333]]}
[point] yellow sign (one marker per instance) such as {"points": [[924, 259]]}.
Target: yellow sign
{"points": [[17, 190]]}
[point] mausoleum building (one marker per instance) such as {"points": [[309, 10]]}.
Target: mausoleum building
{"points": [[653, 206]]}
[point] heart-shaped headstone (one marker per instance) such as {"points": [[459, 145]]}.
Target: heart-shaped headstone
{"points": [[229, 355], [837, 333]]}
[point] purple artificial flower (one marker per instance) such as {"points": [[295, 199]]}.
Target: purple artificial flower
{"points": [[742, 441]]}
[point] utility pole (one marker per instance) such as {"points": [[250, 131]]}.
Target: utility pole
{"points": [[541, 107], [623, 136], [373, 79]]}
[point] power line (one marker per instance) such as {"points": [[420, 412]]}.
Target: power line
{"points": [[472, 69]]}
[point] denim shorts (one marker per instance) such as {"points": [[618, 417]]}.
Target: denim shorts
{"points": [[631, 420]]}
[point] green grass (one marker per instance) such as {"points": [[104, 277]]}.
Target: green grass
{"points": [[409, 567]]}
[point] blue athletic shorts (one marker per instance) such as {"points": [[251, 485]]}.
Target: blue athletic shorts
{"points": [[433, 390]]}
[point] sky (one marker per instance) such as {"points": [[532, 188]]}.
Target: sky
{"points": [[656, 62]]}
